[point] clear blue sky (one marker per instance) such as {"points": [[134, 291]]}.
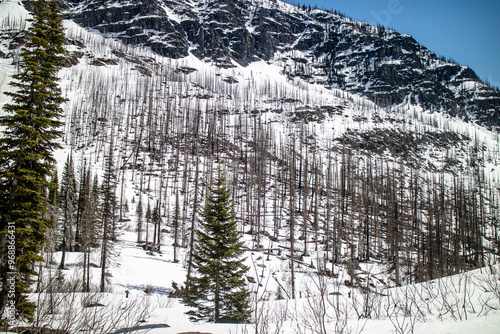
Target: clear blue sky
{"points": [[465, 30]]}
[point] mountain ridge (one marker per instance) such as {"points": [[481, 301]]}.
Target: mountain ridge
{"points": [[373, 197], [318, 46]]}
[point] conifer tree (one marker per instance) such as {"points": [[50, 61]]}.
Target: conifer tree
{"points": [[91, 225], [82, 206], [156, 217], [31, 130], [176, 225], [53, 197], [139, 214], [108, 213], [217, 287], [95, 213], [68, 203], [147, 218]]}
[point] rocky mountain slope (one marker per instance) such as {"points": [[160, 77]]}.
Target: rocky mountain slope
{"points": [[318, 46], [171, 119], [373, 196]]}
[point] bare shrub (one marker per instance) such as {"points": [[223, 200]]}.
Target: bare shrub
{"points": [[403, 309], [91, 312], [489, 283]]}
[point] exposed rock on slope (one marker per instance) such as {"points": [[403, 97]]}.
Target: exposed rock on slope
{"points": [[383, 65]]}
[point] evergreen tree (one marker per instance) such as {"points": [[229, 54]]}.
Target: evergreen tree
{"points": [[147, 217], [53, 197], [68, 203], [126, 208], [176, 225], [31, 130], [157, 230], [82, 205], [108, 213], [139, 213], [217, 287], [91, 226], [95, 213]]}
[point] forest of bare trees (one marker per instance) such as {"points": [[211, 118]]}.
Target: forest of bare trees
{"points": [[320, 179], [298, 190]]}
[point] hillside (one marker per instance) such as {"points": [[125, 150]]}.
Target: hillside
{"points": [[382, 194], [383, 65]]}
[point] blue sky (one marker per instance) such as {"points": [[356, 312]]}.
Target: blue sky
{"points": [[465, 30]]}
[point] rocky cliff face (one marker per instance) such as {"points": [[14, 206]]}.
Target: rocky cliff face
{"points": [[318, 46]]}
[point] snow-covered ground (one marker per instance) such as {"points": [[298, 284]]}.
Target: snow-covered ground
{"points": [[456, 304]]}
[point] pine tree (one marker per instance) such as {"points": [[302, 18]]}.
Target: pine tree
{"points": [[86, 224], [217, 287], [32, 128], [139, 214], [147, 217], [82, 206], [53, 197], [108, 213], [95, 213], [93, 229], [156, 217], [68, 203]]}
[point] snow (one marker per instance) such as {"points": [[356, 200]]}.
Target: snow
{"points": [[391, 62], [12, 15], [170, 13], [12, 18], [249, 25], [456, 303], [261, 86], [135, 263], [6, 72]]}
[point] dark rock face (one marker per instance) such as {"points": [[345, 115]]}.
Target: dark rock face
{"points": [[134, 22], [383, 65]]}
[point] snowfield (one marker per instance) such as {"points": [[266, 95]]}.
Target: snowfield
{"points": [[457, 304], [114, 90]]}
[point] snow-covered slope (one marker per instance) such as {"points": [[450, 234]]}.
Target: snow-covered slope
{"points": [[173, 120], [467, 303], [317, 46]]}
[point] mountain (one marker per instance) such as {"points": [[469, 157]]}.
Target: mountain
{"points": [[318, 46], [374, 186], [350, 173]]}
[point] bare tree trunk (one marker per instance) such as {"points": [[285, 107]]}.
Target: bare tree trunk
{"points": [[193, 220], [292, 216]]}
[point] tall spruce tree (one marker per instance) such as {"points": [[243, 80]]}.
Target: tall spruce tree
{"points": [[139, 214], [68, 204], [32, 128], [108, 213], [217, 287], [95, 228]]}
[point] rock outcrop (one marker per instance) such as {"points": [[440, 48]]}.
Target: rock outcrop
{"points": [[318, 46]]}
